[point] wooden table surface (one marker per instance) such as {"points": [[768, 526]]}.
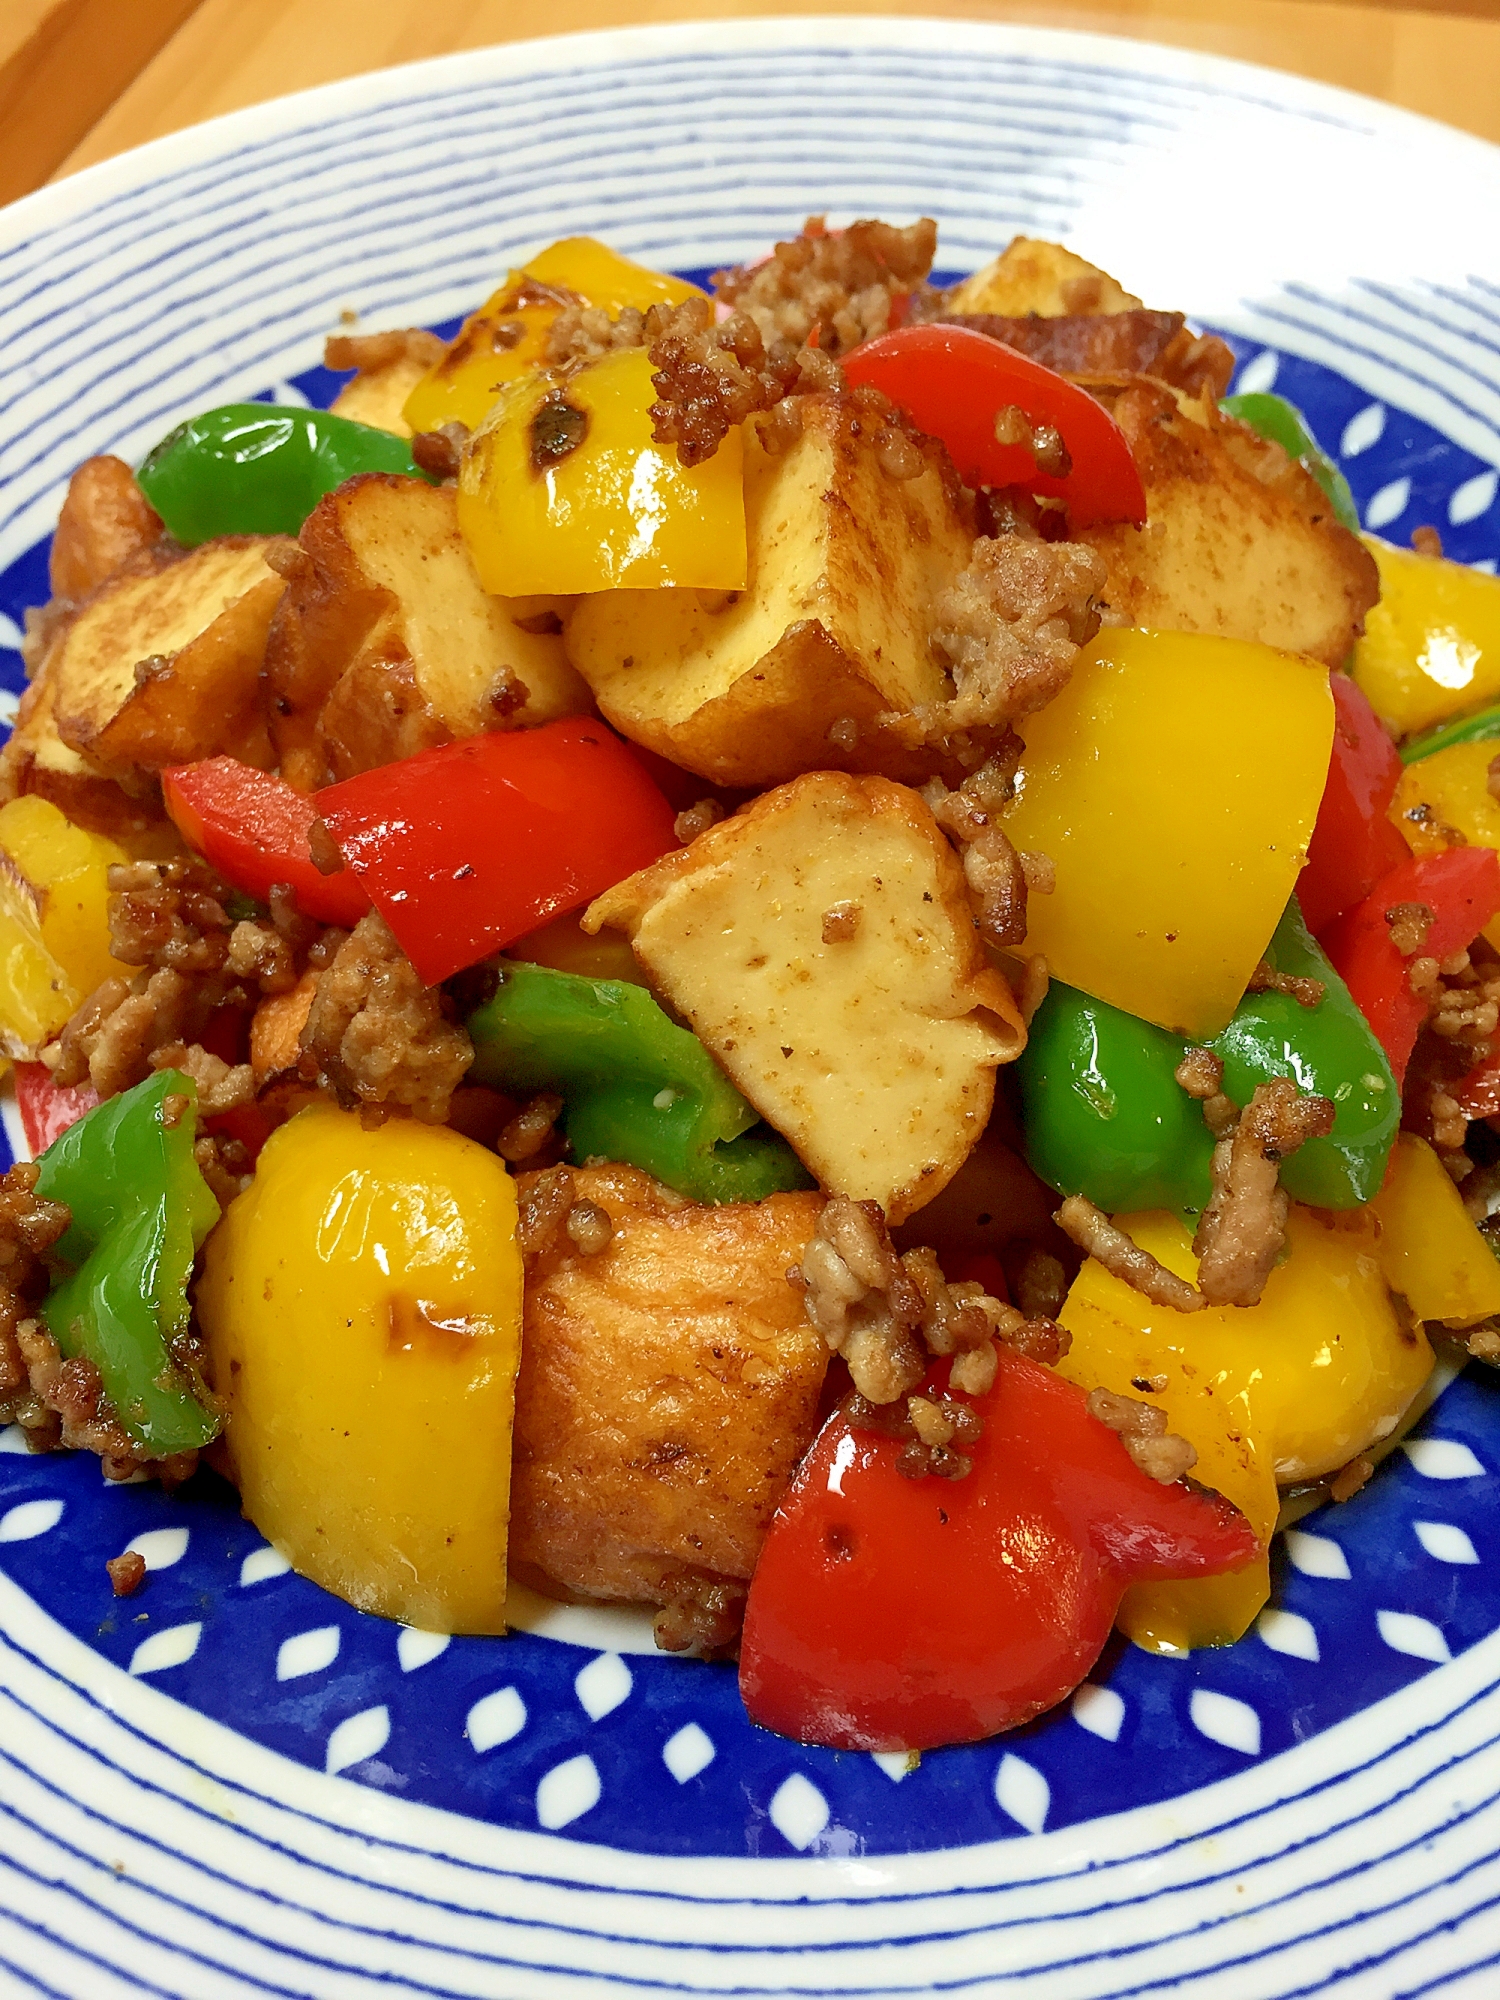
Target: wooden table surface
{"points": [[82, 79]]}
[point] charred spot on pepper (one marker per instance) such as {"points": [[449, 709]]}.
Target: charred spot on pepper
{"points": [[558, 428]]}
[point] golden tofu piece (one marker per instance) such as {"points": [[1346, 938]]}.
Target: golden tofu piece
{"points": [[669, 1386], [105, 520], [385, 597], [35, 760], [1030, 276], [1240, 541], [821, 945], [162, 664], [830, 632]]}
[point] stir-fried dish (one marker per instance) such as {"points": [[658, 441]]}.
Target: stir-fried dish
{"points": [[826, 958]]}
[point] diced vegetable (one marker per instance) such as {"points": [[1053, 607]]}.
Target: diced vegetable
{"points": [[466, 847], [1174, 783], [954, 383], [1461, 887], [635, 1088], [46, 1108], [1284, 1391], [1352, 844], [260, 468], [1431, 1251], [889, 1613], [1105, 1116], [373, 1446], [253, 828], [141, 1211], [1275, 418], [507, 337], [1431, 647], [54, 930], [1445, 801], [563, 488]]}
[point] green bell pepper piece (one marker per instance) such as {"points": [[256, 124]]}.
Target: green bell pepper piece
{"points": [[635, 1087], [1329, 1050], [1275, 418], [141, 1210], [1103, 1113], [1481, 727], [260, 468], [1105, 1117]]}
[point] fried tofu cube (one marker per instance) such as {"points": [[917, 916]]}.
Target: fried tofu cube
{"points": [[105, 520], [384, 596], [162, 663], [669, 1385], [830, 632], [1240, 541], [36, 761], [1030, 276], [820, 944]]}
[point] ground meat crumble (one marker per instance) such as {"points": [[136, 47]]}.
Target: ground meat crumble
{"points": [[1142, 1429], [887, 1316], [1241, 1232], [841, 282], [376, 1036]]}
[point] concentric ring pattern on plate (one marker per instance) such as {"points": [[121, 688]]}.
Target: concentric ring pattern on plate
{"points": [[145, 1847]]}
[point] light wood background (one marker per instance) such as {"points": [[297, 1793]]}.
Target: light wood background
{"points": [[82, 79]]}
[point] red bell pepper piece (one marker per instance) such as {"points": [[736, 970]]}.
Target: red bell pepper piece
{"points": [[252, 827], [467, 847], [1462, 890], [1353, 843], [47, 1109], [953, 383], [1477, 1092], [888, 1613]]}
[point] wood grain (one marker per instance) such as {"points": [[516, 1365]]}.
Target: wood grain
{"points": [[63, 63], [237, 52]]}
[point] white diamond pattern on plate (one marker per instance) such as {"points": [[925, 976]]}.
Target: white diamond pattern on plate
{"points": [[1100, 1711], [172, 1648], [161, 1547], [1363, 429], [1443, 1458], [1404, 1632], [1259, 375], [1316, 1555], [1022, 1792], [799, 1811], [567, 1792], [414, 1649], [495, 1718], [1288, 1632], [30, 1519], [357, 1738], [1444, 1542], [1475, 497], [602, 1685], [687, 1753], [307, 1652], [1223, 1719], [1383, 507], [261, 1565], [897, 1764]]}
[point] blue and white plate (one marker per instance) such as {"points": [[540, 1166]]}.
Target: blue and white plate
{"points": [[232, 1784]]}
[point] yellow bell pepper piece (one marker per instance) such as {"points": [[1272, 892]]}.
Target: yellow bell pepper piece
{"points": [[1278, 1393], [613, 511], [1449, 793], [362, 1306], [1174, 783], [1431, 646], [54, 930], [1430, 1250], [507, 337]]}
